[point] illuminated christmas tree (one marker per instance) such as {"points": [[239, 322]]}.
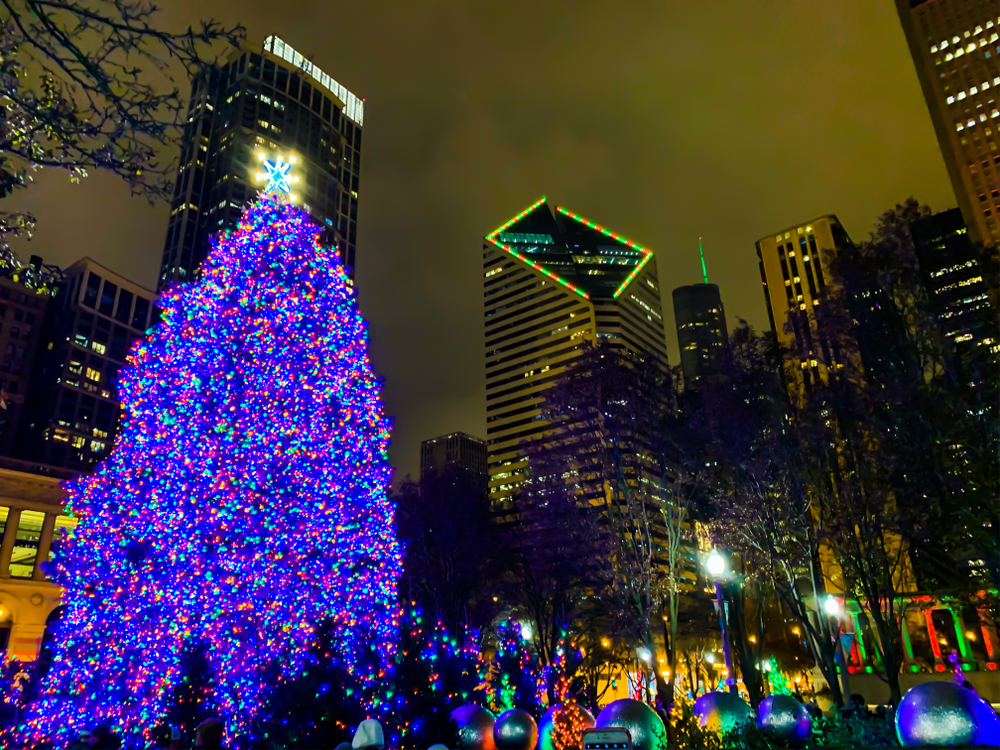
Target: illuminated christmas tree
{"points": [[435, 673], [244, 503]]}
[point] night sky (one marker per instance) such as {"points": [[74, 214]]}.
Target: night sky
{"points": [[660, 120]]}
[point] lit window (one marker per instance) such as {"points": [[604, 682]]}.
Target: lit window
{"points": [[93, 374], [951, 100], [961, 95]]}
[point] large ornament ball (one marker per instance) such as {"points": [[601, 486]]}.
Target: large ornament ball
{"points": [[515, 730], [642, 722], [784, 718], [943, 713], [475, 727], [565, 715], [722, 712]]}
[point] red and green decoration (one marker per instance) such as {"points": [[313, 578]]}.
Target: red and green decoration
{"points": [[244, 503], [498, 239]]}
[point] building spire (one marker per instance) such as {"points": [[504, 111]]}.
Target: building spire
{"points": [[704, 270]]}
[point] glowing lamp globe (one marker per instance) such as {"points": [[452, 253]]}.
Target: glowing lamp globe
{"points": [[785, 719], [943, 713], [831, 606], [642, 722], [720, 712], [562, 725], [515, 730], [716, 564], [475, 727]]}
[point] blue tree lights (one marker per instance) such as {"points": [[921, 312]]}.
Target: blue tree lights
{"points": [[244, 503]]}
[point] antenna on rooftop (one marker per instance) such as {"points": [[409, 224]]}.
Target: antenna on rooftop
{"points": [[704, 270]]}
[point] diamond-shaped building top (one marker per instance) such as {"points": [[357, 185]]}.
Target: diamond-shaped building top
{"points": [[583, 256]]}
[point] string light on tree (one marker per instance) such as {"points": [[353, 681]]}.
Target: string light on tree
{"points": [[244, 503]]}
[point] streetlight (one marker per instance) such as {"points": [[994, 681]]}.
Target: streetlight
{"points": [[841, 644], [716, 567]]}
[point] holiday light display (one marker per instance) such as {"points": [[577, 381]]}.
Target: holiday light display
{"points": [[516, 679], [435, 672], [244, 503]]}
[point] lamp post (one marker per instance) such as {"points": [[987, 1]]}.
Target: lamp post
{"points": [[841, 645], [716, 567]]}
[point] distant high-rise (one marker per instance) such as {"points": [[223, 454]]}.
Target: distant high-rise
{"points": [[552, 280], [71, 411], [795, 276], [956, 49], [953, 276], [269, 102], [701, 326], [455, 450]]}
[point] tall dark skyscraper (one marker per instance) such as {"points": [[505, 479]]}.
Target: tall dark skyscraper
{"points": [[71, 410], [956, 49], [267, 102], [455, 450], [701, 326], [953, 275]]}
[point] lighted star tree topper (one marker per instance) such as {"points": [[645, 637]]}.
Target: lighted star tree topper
{"points": [[244, 503]]}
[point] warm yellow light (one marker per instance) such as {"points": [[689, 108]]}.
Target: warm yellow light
{"points": [[798, 679], [665, 673], [605, 642], [753, 639], [795, 630], [260, 156], [259, 176], [970, 635]]}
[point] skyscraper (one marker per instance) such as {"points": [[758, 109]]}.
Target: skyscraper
{"points": [[553, 279], [71, 410], [795, 275], [455, 450], [25, 293], [270, 102], [956, 50], [701, 325], [953, 275]]}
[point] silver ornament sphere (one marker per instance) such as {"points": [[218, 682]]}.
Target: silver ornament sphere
{"points": [[785, 719], [642, 722], [943, 713], [565, 716], [475, 727], [515, 730], [721, 712]]}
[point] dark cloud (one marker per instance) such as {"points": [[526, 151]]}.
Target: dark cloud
{"points": [[661, 120]]}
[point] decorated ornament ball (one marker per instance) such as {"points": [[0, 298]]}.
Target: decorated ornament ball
{"points": [[515, 730], [784, 718], [642, 722], [722, 712], [943, 713], [563, 718], [475, 727]]}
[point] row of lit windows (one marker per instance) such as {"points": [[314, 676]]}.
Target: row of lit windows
{"points": [[972, 122], [971, 47], [973, 91], [957, 39]]}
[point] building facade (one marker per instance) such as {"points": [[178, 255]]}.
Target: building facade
{"points": [[25, 292], [457, 449], [269, 102], [953, 275], [955, 47], [795, 274], [552, 280], [32, 521], [701, 329], [71, 417]]}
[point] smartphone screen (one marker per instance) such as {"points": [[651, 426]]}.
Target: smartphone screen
{"points": [[609, 738]]}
